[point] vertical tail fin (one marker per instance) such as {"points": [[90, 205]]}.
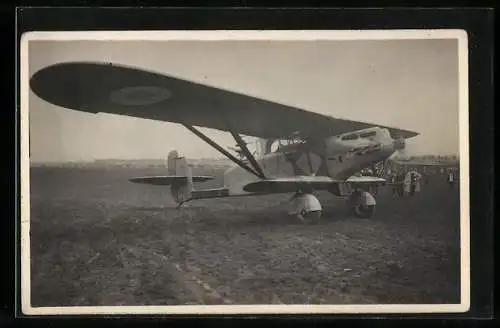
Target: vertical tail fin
{"points": [[172, 156], [178, 166]]}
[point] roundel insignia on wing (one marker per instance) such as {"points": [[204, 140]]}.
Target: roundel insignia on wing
{"points": [[139, 95]]}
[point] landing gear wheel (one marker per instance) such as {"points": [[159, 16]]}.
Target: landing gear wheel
{"points": [[362, 204], [306, 208], [363, 211], [312, 217]]}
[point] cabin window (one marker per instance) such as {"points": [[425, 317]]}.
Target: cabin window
{"points": [[368, 134], [350, 137], [275, 146]]}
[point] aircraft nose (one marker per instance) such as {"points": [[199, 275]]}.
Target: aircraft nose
{"points": [[399, 144]]}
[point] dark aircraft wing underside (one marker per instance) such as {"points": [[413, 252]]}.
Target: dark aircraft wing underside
{"points": [[109, 88]]}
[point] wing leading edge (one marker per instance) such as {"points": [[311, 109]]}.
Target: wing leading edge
{"points": [[168, 180], [291, 184], [121, 90]]}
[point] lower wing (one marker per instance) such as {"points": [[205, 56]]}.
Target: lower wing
{"points": [[292, 184], [365, 180], [287, 185], [169, 179]]}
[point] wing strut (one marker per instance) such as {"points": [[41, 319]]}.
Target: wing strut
{"points": [[248, 155], [223, 151]]}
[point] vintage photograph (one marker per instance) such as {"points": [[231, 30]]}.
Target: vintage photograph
{"points": [[244, 172]]}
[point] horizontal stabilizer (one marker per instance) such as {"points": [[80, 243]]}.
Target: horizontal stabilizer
{"points": [[169, 179]]}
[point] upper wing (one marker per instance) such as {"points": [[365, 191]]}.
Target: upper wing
{"points": [[109, 88]]}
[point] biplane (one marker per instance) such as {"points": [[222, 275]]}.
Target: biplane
{"points": [[299, 152]]}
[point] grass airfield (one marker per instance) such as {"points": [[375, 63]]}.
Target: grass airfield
{"points": [[99, 240]]}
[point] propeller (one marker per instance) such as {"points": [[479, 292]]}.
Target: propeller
{"points": [[400, 148]]}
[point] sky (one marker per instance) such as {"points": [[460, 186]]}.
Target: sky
{"points": [[409, 84]]}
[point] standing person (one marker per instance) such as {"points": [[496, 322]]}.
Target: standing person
{"points": [[413, 183], [425, 175], [451, 179], [401, 178], [393, 180], [407, 183], [417, 182]]}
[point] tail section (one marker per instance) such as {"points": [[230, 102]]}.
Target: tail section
{"points": [[171, 162], [180, 189], [180, 179]]}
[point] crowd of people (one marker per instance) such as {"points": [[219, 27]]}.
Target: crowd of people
{"points": [[408, 182]]}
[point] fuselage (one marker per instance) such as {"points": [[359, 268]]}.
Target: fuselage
{"points": [[338, 157]]}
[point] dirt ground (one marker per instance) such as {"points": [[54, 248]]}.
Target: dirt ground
{"points": [[98, 239]]}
